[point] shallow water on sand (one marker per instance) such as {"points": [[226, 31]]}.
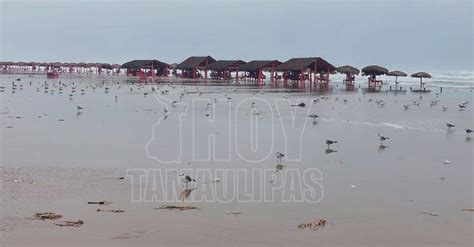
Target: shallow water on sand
{"points": [[371, 195]]}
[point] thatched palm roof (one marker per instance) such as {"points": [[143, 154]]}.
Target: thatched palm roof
{"points": [[347, 69], [225, 64], [106, 66], [195, 62], [421, 75], [298, 64], [374, 70], [397, 73], [144, 64], [256, 65]]}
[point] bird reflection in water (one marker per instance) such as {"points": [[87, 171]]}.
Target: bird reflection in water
{"points": [[185, 193], [279, 167], [381, 148]]}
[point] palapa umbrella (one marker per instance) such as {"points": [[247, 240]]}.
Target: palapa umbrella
{"points": [[374, 70], [173, 65], [397, 73], [421, 75], [348, 70]]}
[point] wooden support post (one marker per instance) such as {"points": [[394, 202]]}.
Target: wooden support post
{"points": [[302, 76], [315, 71], [327, 79], [205, 70], [272, 75], [152, 70], [237, 75]]}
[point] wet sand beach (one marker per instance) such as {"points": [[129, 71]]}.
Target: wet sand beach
{"points": [[57, 158]]}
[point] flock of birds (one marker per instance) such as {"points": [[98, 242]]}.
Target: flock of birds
{"points": [[60, 88]]}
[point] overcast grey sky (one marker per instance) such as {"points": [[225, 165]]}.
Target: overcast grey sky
{"points": [[425, 35]]}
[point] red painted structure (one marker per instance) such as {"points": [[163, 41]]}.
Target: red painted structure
{"points": [[315, 70], [146, 68], [59, 68], [191, 67], [350, 73], [372, 72], [222, 69], [254, 70]]}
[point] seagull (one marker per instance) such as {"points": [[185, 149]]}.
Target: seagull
{"points": [[469, 131], [382, 139], [445, 108], [461, 106], [450, 126], [406, 107], [314, 116], [79, 108], [329, 142], [279, 156], [165, 110], [185, 179]]}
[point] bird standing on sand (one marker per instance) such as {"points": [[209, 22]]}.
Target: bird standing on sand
{"points": [[329, 142], [279, 156], [382, 138], [450, 126], [185, 179], [468, 131], [79, 108]]}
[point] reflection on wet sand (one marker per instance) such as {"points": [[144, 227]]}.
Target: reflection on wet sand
{"points": [[185, 193]]}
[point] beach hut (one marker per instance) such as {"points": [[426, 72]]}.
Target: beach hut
{"points": [[116, 68], [52, 70], [421, 75], [191, 66], [144, 68], [306, 69], [254, 69], [350, 73], [397, 73], [373, 71], [222, 69]]}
